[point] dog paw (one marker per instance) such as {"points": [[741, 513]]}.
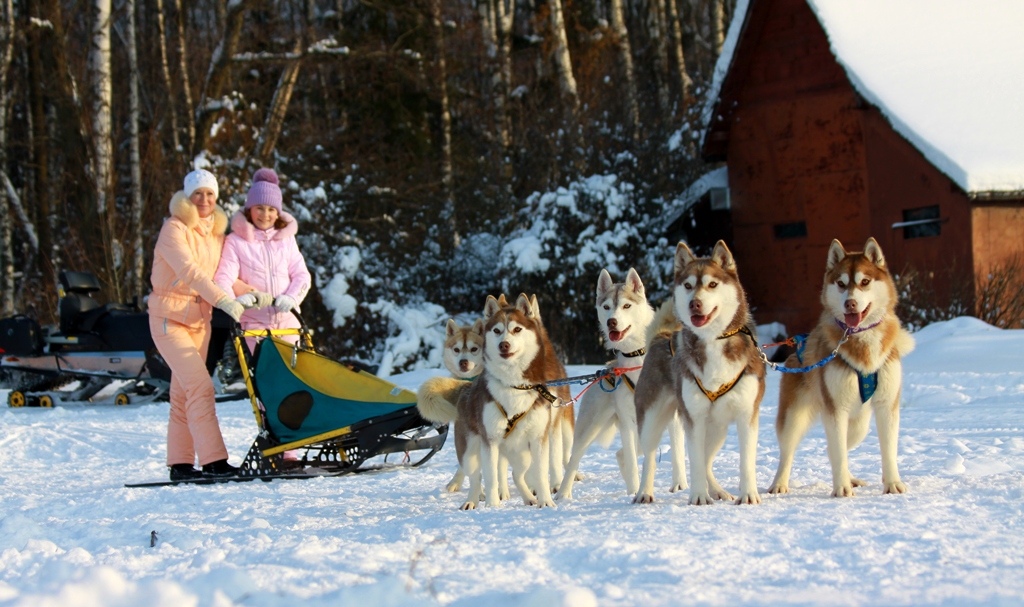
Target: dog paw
{"points": [[504, 495], [579, 476], [843, 491], [468, 506], [643, 498], [700, 499], [748, 498], [564, 497], [722, 494], [778, 489], [683, 486], [529, 501], [546, 504], [453, 487], [856, 482], [895, 487]]}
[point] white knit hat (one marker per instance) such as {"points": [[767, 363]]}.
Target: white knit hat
{"points": [[200, 178]]}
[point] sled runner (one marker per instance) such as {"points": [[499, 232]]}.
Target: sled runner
{"points": [[93, 346], [336, 417]]}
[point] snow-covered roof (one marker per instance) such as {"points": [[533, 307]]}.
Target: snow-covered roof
{"points": [[718, 178], [947, 74]]}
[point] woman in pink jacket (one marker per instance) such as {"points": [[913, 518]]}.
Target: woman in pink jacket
{"points": [[261, 252], [187, 252]]}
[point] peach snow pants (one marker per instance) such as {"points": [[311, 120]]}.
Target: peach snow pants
{"points": [[193, 427]]}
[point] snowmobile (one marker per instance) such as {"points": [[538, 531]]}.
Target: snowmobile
{"points": [[337, 415], [91, 348]]}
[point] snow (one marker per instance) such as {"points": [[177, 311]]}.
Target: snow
{"points": [[72, 535], [716, 178], [946, 73]]}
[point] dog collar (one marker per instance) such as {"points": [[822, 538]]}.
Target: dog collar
{"points": [[743, 329], [853, 330], [541, 389], [636, 353]]}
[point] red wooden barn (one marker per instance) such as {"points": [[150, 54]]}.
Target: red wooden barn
{"points": [[884, 118]]}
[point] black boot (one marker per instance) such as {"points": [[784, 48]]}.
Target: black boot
{"points": [[219, 468], [184, 472]]}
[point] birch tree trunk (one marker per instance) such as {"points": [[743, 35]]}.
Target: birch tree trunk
{"points": [[563, 61], [137, 280], [39, 147], [166, 70], [6, 231], [625, 52], [685, 83], [506, 17], [183, 59], [102, 133], [278, 109], [496, 27]]}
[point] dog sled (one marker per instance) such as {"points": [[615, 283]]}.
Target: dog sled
{"points": [[331, 418], [93, 347]]}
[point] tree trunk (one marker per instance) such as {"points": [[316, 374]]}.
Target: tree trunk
{"points": [[219, 73], [656, 33], [717, 26], [563, 62], [278, 109], [505, 20], [40, 147], [685, 83], [102, 136], [183, 59], [625, 53], [449, 214], [6, 230], [166, 69], [137, 278]]}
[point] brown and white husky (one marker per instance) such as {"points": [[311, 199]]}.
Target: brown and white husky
{"points": [[625, 318], [710, 371], [463, 357], [507, 411], [859, 300]]}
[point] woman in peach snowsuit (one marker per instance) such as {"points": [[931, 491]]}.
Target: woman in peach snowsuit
{"points": [[180, 307]]}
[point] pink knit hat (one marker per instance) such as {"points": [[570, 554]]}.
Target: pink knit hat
{"points": [[264, 190]]}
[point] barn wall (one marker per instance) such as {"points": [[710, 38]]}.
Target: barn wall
{"points": [[998, 234], [795, 153]]}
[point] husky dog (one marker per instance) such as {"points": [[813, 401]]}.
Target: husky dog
{"points": [[859, 300], [625, 317], [710, 371], [507, 411], [463, 357]]}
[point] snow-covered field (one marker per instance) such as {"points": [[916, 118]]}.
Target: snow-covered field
{"points": [[71, 534]]}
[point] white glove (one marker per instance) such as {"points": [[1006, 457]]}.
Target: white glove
{"points": [[285, 303], [231, 307], [262, 299], [248, 300]]}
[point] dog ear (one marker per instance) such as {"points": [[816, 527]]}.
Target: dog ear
{"points": [[836, 253], [723, 257], [523, 305], [874, 252], [536, 306], [633, 282], [502, 302], [478, 327], [450, 328], [491, 306], [683, 257], [604, 283]]}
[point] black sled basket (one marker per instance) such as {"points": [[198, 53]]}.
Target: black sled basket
{"points": [[332, 417]]}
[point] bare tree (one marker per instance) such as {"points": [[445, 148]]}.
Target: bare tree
{"points": [[136, 278], [717, 26], [685, 83], [6, 231], [656, 32], [444, 117], [102, 135], [166, 72], [625, 53], [278, 108], [219, 73], [563, 61], [183, 59]]}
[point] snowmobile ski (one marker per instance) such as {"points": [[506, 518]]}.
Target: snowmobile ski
{"points": [[232, 479]]}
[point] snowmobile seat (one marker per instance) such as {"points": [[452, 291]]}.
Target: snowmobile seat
{"points": [[84, 283]]}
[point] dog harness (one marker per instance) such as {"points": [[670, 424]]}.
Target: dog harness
{"points": [[613, 382], [510, 422], [867, 383], [724, 388]]}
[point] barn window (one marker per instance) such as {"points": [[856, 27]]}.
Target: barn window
{"points": [[796, 229], [920, 222]]}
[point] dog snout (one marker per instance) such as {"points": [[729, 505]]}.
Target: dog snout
{"points": [[464, 365], [850, 306], [613, 324], [504, 347], [696, 307]]}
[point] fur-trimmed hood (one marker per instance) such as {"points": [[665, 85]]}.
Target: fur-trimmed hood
{"points": [[183, 209], [246, 230]]}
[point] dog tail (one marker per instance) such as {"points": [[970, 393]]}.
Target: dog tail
{"points": [[904, 342], [665, 322], [437, 397]]}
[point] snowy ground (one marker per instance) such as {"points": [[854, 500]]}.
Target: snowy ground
{"points": [[70, 534]]}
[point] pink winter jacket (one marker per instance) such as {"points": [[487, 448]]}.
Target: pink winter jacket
{"points": [[266, 260], [185, 259]]}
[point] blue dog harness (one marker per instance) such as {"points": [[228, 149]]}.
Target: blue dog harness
{"points": [[866, 383]]}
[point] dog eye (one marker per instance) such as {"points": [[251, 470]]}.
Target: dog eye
{"points": [[516, 330], [865, 282], [456, 350], [840, 284], [497, 331], [687, 286], [712, 284], [626, 306], [606, 307], [473, 350]]}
